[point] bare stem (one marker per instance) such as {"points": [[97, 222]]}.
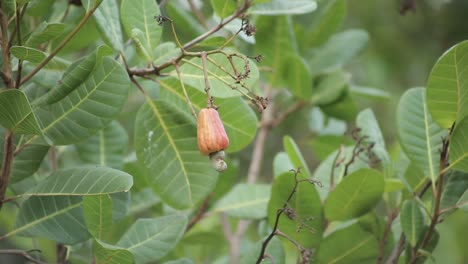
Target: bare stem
{"points": [[265, 243], [61, 45]]}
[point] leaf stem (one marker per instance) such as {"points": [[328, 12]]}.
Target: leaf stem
{"points": [[187, 98], [62, 44]]}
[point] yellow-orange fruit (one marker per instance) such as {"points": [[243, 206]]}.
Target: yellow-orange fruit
{"points": [[211, 136]]}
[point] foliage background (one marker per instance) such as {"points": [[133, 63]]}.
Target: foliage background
{"points": [[399, 55]]}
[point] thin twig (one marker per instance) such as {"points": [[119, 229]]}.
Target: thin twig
{"points": [[384, 238], [61, 45], [265, 243], [201, 212], [224, 22]]}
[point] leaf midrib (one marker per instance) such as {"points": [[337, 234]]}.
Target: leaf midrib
{"points": [[173, 145], [350, 251], [74, 107]]}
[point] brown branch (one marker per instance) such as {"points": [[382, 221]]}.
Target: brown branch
{"points": [[201, 212], [61, 252], [384, 238], [18, 29], [7, 164], [7, 74], [438, 197], [23, 253], [61, 45], [397, 250]]}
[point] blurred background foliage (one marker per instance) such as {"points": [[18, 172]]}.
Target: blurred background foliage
{"points": [[400, 52]]}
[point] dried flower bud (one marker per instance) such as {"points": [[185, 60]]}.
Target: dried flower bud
{"points": [[211, 135]]}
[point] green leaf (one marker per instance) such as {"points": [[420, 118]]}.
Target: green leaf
{"points": [[239, 120], [338, 50], [279, 7], [138, 37], [143, 200], [369, 126], [224, 8], [97, 211], [328, 166], [447, 89], [83, 181], [369, 92], [44, 32], [221, 83], [106, 148], [36, 56], [273, 40], [330, 87], [120, 205], [58, 218], [16, 113], [88, 108], [281, 164], [295, 155], [459, 146], [108, 22], [151, 239], [412, 221], [180, 261], [454, 188], [245, 201], [298, 76], [323, 146], [166, 143], [326, 21], [165, 52], [141, 15], [109, 254], [420, 137], [274, 250], [306, 227], [355, 195], [463, 202], [74, 76], [348, 245], [393, 185], [27, 162], [344, 108]]}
